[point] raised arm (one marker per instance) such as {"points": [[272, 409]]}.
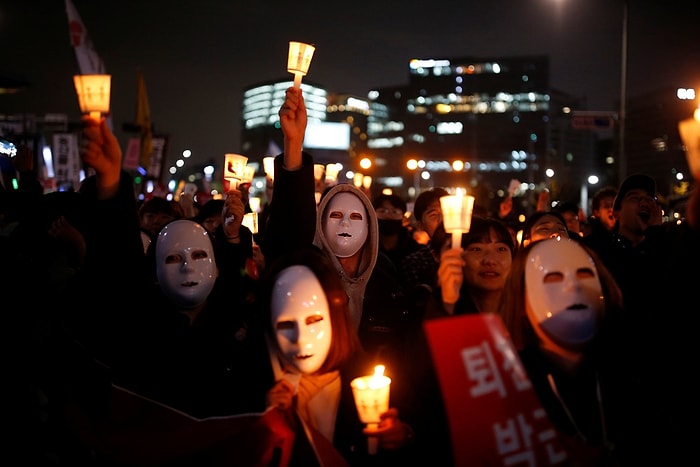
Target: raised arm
{"points": [[293, 119]]}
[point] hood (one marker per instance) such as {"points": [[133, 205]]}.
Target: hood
{"points": [[354, 286]]}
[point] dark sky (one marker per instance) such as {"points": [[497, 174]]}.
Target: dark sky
{"points": [[198, 56]]}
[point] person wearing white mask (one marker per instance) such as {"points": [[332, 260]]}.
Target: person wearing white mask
{"points": [[185, 265], [347, 230], [559, 306], [179, 335], [194, 329], [315, 353], [344, 227]]}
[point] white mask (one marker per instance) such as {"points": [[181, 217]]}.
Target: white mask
{"points": [[345, 224], [185, 264], [564, 296], [301, 319]]}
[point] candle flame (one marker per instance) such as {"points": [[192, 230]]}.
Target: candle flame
{"points": [[377, 380], [379, 370]]}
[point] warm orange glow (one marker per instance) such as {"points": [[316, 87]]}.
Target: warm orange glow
{"points": [[299, 59], [93, 93]]}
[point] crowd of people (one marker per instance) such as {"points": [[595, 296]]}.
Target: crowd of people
{"points": [[165, 333]]}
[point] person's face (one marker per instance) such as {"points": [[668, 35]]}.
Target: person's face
{"points": [[389, 211], [211, 223], [432, 218], [564, 297], [548, 226], [604, 213], [345, 224], [301, 319], [487, 264], [390, 219], [638, 210], [572, 222], [154, 221], [185, 265]]}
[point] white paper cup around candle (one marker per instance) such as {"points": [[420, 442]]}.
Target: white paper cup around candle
{"points": [[332, 171], [250, 220], [319, 171], [234, 165], [298, 60], [457, 215], [689, 130], [232, 183], [269, 167], [254, 203], [248, 174], [371, 395]]}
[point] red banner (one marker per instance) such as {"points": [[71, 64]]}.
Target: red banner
{"points": [[494, 415]]}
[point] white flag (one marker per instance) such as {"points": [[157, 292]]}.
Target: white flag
{"points": [[88, 60]]}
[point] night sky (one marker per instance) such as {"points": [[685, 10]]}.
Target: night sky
{"points": [[198, 56]]}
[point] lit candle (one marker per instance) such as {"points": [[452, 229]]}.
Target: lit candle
{"points": [[93, 94], [234, 166], [269, 167], [298, 60], [250, 220], [254, 203], [457, 214], [332, 171], [371, 395]]}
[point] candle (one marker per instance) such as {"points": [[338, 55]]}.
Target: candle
{"points": [[234, 165], [457, 214], [250, 220], [371, 395], [298, 60]]}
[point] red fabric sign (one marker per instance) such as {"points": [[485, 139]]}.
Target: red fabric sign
{"points": [[494, 415]]}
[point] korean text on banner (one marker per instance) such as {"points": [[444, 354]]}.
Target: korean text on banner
{"points": [[494, 415]]}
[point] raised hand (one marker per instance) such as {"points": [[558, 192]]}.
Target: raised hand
{"points": [[100, 150], [293, 119]]}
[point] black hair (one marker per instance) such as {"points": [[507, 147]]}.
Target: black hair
{"points": [[481, 229], [394, 200], [427, 198], [532, 220]]}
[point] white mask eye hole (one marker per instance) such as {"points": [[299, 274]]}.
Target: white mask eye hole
{"points": [[199, 254], [284, 325], [553, 277], [173, 259], [585, 273], [314, 319]]}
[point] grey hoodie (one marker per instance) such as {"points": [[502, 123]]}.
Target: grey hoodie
{"points": [[354, 286]]}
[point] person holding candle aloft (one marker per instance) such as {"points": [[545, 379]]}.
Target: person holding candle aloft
{"points": [[176, 331], [291, 213], [472, 275], [346, 231], [345, 228]]}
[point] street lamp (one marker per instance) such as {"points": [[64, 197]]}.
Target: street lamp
{"points": [[623, 94], [413, 165]]}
